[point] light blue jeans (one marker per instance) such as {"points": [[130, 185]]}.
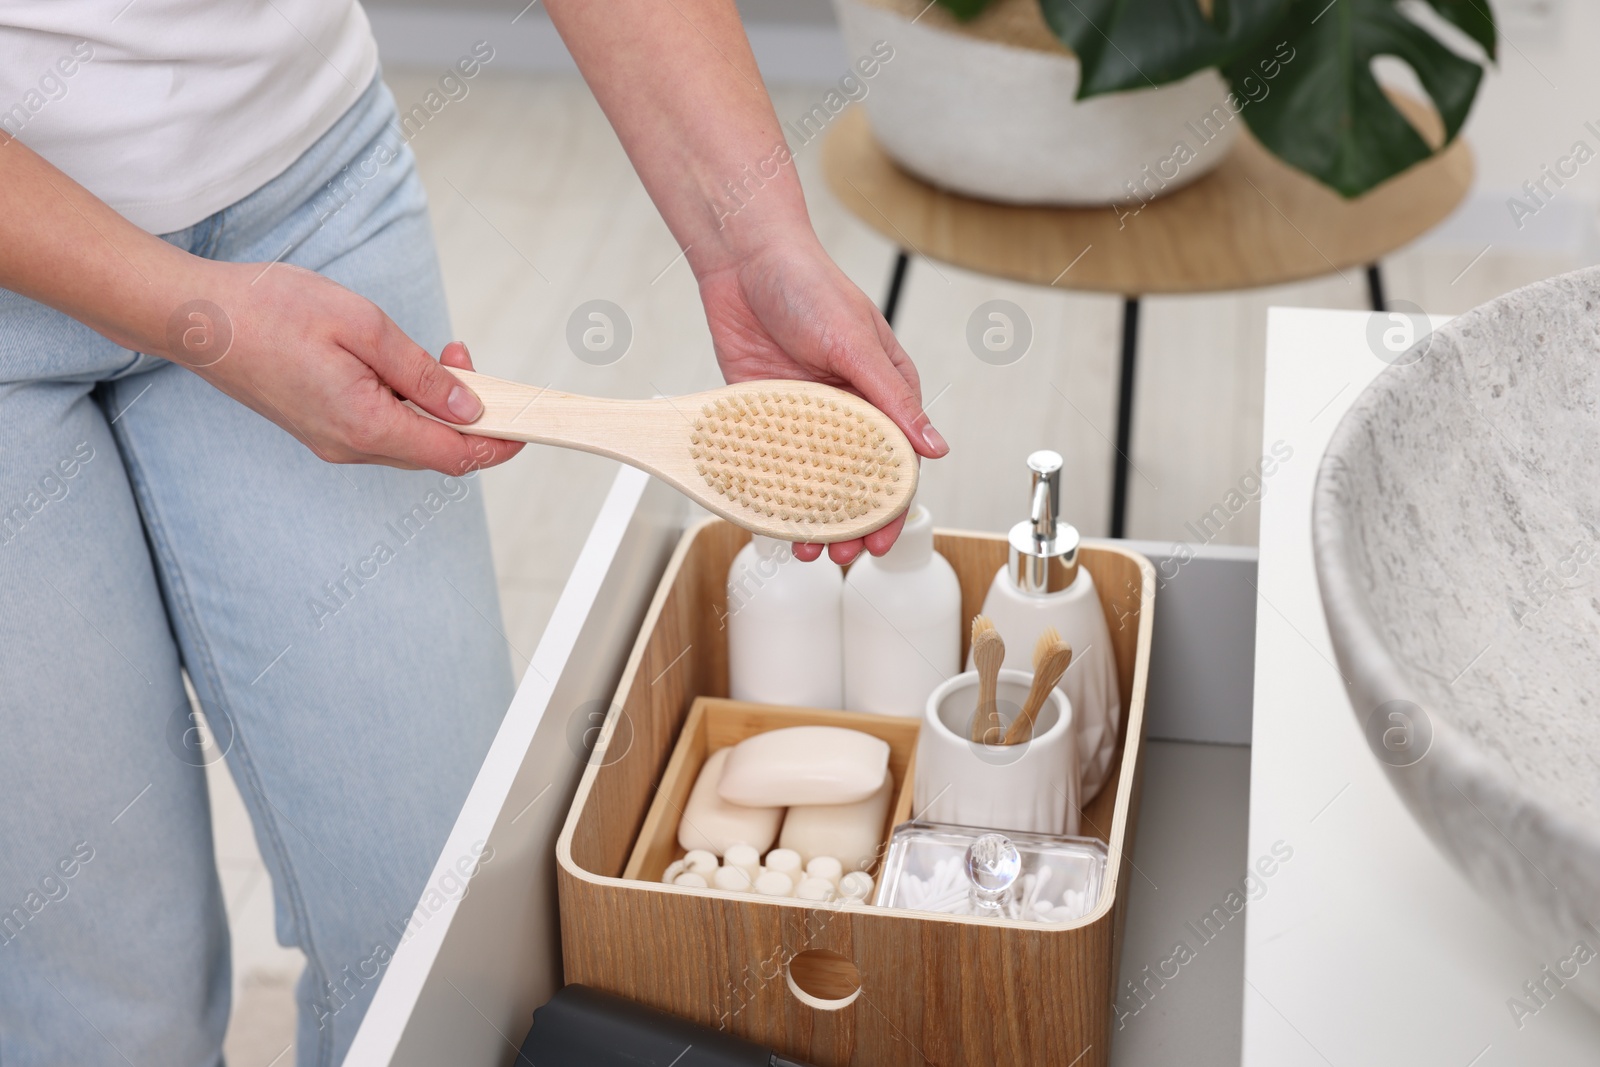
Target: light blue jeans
{"points": [[148, 523]]}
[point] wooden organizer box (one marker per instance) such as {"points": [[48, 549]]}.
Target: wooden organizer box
{"points": [[714, 723], [837, 985]]}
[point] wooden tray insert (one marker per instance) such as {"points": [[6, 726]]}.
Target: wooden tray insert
{"points": [[715, 723]]}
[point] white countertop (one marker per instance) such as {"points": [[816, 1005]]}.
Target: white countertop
{"points": [[1365, 947]]}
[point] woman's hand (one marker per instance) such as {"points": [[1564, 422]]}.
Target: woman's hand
{"points": [[313, 357], [681, 88], [787, 311], [329, 367]]}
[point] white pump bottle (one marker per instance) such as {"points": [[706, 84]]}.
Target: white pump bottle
{"points": [[1042, 585]]}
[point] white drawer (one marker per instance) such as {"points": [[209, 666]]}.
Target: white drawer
{"points": [[461, 991]]}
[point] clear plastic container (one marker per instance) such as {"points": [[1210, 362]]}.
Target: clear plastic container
{"points": [[965, 870]]}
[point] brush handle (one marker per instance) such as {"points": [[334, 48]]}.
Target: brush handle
{"points": [[507, 406], [986, 717], [516, 411], [983, 714], [1021, 728]]}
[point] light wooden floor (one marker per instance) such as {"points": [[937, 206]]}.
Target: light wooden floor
{"points": [[537, 210]]}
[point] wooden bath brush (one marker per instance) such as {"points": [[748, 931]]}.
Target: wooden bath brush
{"points": [[800, 461]]}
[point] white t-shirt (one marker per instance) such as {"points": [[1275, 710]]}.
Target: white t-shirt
{"points": [[170, 110]]}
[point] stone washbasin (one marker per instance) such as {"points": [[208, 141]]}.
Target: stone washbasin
{"points": [[1456, 530]]}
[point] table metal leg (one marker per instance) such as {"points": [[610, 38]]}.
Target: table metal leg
{"points": [[892, 301], [1375, 287], [1119, 469]]}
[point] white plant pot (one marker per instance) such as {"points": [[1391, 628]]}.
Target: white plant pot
{"points": [[999, 122]]}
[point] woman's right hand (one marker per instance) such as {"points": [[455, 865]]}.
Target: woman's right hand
{"points": [[329, 367], [302, 350]]}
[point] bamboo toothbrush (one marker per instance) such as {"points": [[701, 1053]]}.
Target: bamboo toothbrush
{"points": [[1050, 658], [988, 652], [800, 461]]}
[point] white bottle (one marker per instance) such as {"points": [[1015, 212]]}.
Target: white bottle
{"points": [[1042, 585], [902, 623], [783, 627]]}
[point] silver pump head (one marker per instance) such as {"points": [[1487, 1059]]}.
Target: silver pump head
{"points": [[1043, 536]]}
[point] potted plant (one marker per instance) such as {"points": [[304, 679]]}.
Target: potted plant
{"points": [[1095, 101]]}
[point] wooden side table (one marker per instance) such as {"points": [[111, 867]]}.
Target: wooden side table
{"points": [[1253, 222]]}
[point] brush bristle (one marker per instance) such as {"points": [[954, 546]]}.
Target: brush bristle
{"points": [[1045, 647], [981, 625], [793, 457]]}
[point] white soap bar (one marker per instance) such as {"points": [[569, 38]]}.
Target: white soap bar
{"points": [[852, 832], [804, 765], [712, 823]]}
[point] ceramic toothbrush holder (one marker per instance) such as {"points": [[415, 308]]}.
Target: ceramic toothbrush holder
{"points": [[1031, 787]]}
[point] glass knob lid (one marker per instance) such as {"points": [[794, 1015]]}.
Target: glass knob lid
{"points": [[993, 864]]}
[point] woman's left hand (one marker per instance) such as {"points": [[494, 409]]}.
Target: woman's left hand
{"points": [[787, 311]]}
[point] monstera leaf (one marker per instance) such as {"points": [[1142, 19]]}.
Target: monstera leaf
{"points": [[1471, 17], [1300, 69], [1137, 44], [965, 10], [1326, 113]]}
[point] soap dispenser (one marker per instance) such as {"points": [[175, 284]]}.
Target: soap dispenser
{"points": [[902, 623], [1042, 585], [783, 627]]}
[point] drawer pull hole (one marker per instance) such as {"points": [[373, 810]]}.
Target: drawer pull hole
{"points": [[824, 980]]}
